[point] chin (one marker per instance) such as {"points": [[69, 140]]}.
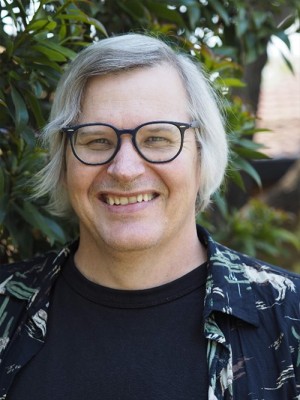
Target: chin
{"points": [[132, 245], [131, 239]]}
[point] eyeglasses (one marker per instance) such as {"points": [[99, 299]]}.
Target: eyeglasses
{"points": [[156, 142]]}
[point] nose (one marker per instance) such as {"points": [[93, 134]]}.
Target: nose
{"points": [[127, 165]]}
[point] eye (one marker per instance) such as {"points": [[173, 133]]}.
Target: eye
{"points": [[158, 136], [96, 139], [155, 139], [98, 143]]}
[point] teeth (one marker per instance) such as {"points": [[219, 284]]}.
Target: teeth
{"points": [[129, 200]]}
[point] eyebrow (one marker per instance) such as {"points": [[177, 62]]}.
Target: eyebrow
{"points": [[158, 127]]}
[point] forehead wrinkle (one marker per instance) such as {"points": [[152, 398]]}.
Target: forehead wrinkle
{"points": [[144, 98], [118, 114]]}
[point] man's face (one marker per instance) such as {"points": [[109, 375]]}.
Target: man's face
{"points": [[168, 191]]}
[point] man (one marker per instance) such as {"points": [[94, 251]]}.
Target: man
{"points": [[145, 305]]}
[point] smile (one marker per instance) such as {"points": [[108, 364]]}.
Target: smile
{"points": [[122, 200]]}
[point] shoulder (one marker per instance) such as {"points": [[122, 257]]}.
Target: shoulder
{"points": [[26, 272], [23, 266], [259, 271], [242, 267], [31, 272], [272, 285], [247, 283]]}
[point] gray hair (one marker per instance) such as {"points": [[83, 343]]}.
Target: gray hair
{"points": [[117, 54]]}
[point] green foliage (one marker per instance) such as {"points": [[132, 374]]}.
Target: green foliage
{"points": [[241, 127], [36, 42], [39, 37], [258, 230]]}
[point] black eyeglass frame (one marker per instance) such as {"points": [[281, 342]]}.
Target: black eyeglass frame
{"points": [[182, 126]]}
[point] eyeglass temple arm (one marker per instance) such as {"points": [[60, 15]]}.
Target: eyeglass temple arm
{"points": [[195, 124]]}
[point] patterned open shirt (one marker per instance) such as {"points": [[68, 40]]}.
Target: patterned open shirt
{"points": [[251, 312]]}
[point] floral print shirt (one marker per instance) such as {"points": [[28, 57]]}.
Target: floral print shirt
{"points": [[251, 312]]}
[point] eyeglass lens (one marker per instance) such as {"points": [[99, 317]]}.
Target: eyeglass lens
{"points": [[157, 142]]}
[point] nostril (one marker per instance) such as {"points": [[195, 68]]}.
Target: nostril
{"points": [[125, 170]]}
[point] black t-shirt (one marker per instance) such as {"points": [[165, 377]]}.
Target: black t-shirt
{"points": [[108, 344]]}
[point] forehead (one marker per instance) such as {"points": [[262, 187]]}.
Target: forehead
{"points": [[135, 96]]}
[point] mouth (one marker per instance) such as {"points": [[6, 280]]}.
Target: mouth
{"points": [[124, 200]]}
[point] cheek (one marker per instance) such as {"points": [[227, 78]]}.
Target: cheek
{"points": [[192, 168], [71, 176], [183, 178]]}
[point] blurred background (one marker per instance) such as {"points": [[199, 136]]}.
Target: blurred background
{"points": [[279, 101], [250, 50]]}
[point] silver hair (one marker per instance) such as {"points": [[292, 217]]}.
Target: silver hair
{"points": [[117, 54]]}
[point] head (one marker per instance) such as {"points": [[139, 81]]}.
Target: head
{"points": [[117, 55]]}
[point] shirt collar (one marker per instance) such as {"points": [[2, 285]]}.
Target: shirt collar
{"points": [[228, 289], [24, 280]]}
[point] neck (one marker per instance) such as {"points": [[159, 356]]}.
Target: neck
{"points": [[134, 270]]}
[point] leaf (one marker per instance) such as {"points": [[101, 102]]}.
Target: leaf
{"points": [[35, 106], [286, 236], [48, 227], [58, 48], [20, 234], [288, 63], [28, 135], [247, 167], [259, 18], [2, 103], [251, 154], [32, 161], [241, 23], [284, 38], [85, 19], [236, 177], [194, 14], [226, 51], [230, 82], [52, 55], [249, 144], [135, 8], [287, 22], [21, 114], [48, 67], [163, 12], [268, 247], [221, 203], [221, 11], [2, 182], [4, 204], [41, 24], [62, 31], [57, 232]]}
